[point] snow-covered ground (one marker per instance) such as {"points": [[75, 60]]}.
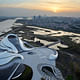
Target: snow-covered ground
{"points": [[44, 31], [75, 39], [6, 25], [55, 46]]}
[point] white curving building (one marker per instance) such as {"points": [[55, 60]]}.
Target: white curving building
{"points": [[40, 59]]}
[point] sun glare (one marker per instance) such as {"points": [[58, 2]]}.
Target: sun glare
{"points": [[55, 9]]}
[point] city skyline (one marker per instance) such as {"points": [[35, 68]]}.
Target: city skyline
{"points": [[57, 7]]}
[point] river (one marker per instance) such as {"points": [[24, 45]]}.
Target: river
{"points": [[6, 25]]}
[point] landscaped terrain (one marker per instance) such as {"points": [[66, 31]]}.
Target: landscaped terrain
{"points": [[69, 48]]}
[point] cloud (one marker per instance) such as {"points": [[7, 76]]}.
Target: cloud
{"points": [[53, 2], [29, 12], [17, 1], [10, 1], [27, 6], [22, 12], [45, 5]]}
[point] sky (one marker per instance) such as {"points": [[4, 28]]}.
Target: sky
{"points": [[51, 7]]}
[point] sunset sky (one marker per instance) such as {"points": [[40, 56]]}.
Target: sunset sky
{"points": [[53, 6]]}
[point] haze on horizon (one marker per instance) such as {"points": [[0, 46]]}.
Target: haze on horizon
{"points": [[45, 7]]}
